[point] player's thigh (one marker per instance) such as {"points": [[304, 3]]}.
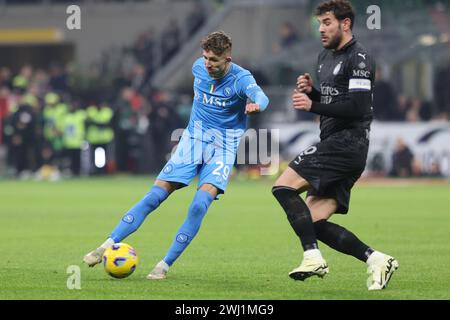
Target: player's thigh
{"points": [[321, 208], [183, 165], [217, 167], [290, 178]]}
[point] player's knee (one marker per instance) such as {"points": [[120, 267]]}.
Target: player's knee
{"points": [[321, 209], [319, 216], [281, 193], [151, 202], [277, 190], [320, 226], [198, 209], [200, 204], [289, 199], [154, 198]]}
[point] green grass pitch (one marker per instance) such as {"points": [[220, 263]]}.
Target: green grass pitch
{"points": [[244, 249]]}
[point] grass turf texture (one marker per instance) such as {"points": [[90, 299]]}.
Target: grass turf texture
{"points": [[244, 249]]}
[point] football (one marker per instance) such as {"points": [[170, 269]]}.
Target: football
{"points": [[120, 260]]}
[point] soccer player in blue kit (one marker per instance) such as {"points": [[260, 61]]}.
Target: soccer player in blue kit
{"points": [[207, 148]]}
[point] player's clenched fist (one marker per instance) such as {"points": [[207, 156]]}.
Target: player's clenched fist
{"points": [[301, 101], [304, 83], [251, 108]]}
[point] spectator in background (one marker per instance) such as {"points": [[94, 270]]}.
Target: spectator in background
{"points": [[58, 78], [183, 109], [403, 105], [23, 139], [138, 77], [402, 160], [413, 113], [99, 134], [195, 19], [419, 110], [170, 41], [40, 81], [164, 120], [21, 81], [287, 37], [259, 76], [384, 100], [441, 91], [127, 108], [74, 134], [435, 170], [427, 110], [5, 78], [377, 165], [143, 49], [4, 109]]}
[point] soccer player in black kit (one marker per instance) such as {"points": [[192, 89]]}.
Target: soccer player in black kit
{"points": [[328, 170]]}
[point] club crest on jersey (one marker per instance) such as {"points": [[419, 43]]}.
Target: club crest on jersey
{"points": [[337, 68], [228, 92]]}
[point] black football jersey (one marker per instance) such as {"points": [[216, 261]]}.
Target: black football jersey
{"points": [[340, 73]]}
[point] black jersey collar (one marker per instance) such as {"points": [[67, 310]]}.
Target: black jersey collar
{"points": [[347, 45]]}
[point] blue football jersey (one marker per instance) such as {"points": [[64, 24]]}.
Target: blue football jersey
{"points": [[218, 107]]}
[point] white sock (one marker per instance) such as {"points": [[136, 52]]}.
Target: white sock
{"points": [[374, 257], [108, 243], [163, 265], [313, 253]]}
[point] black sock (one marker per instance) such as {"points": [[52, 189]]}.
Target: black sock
{"points": [[342, 240], [298, 215]]}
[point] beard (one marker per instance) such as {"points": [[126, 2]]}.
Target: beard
{"points": [[335, 41]]}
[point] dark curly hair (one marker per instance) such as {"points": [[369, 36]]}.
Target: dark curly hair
{"points": [[342, 9]]}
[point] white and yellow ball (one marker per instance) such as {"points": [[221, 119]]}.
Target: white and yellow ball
{"points": [[120, 260]]}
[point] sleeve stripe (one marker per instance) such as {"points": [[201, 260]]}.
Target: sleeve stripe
{"points": [[360, 84], [236, 88]]}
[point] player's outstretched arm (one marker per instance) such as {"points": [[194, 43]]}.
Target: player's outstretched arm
{"points": [[261, 101], [249, 88]]}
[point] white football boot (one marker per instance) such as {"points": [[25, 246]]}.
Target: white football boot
{"points": [[381, 267], [313, 264], [94, 257], [159, 272]]}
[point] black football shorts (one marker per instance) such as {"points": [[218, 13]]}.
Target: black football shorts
{"points": [[333, 165]]}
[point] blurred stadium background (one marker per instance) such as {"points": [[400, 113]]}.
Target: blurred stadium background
{"points": [[103, 101], [106, 98]]}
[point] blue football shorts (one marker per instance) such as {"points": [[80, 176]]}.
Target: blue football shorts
{"points": [[212, 162]]}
